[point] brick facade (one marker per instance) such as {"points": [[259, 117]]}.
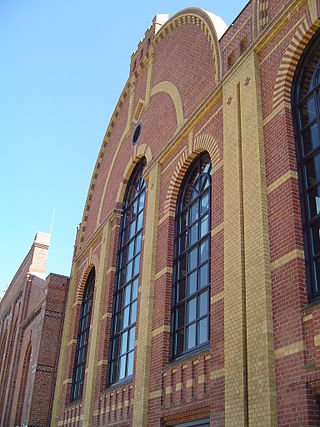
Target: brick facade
{"points": [[194, 89], [31, 320]]}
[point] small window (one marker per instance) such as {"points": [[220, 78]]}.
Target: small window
{"points": [[190, 317], [198, 423], [231, 60], [83, 338], [136, 133], [125, 298], [243, 45]]}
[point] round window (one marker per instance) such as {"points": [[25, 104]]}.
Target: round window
{"points": [[136, 134]]}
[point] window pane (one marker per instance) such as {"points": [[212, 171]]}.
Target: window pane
{"points": [[192, 259], [307, 112], [130, 363], [193, 234], [115, 347], [138, 243], [135, 285], [203, 276], [136, 267], [310, 137], [191, 336], [140, 221], [315, 239], [313, 170], [133, 313], [204, 203], [122, 367], [203, 301], [204, 226], [124, 340], [192, 282], [132, 230], [132, 336], [130, 249], [181, 290], [192, 310], [179, 342], [194, 212], [126, 297], [314, 201], [203, 330], [125, 318], [129, 271], [316, 273], [204, 251], [180, 317], [141, 201]]}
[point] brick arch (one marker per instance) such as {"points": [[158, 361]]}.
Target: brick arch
{"points": [[202, 20], [82, 283], [290, 59], [172, 91], [141, 151], [203, 142]]}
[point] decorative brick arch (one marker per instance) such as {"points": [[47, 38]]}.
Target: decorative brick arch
{"points": [[93, 263], [290, 59], [171, 90], [201, 19], [203, 142], [141, 151]]}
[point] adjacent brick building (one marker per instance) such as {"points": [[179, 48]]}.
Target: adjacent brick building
{"points": [[194, 295], [31, 321]]}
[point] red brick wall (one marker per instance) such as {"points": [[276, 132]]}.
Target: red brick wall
{"points": [[188, 389]]}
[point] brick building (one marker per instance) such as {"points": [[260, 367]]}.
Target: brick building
{"points": [[31, 320], [194, 296]]}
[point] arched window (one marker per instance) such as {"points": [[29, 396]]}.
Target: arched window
{"points": [[83, 338], [125, 298], [306, 111], [23, 383], [190, 317]]}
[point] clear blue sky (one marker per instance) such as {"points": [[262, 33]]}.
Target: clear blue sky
{"points": [[63, 65]]}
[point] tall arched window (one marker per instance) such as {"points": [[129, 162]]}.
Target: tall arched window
{"points": [[23, 384], [190, 317], [83, 338], [306, 110], [125, 298]]}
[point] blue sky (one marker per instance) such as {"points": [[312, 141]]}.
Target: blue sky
{"points": [[63, 65]]}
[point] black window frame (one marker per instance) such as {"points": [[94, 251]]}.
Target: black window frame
{"points": [[184, 231], [80, 358], [308, 155], [129, 252]]}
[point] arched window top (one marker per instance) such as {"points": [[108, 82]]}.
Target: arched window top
{"points": [[190, 316], [197, 180], [89, 286], [308, 77], [83, 338], [135, 185]]}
